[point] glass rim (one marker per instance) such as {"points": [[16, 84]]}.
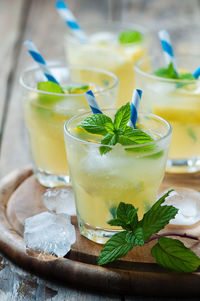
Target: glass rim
{"points": [[158, 78], [67, 131], [62, 64], [145, 32]]}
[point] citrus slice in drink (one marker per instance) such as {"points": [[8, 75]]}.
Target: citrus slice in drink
{"points": [[186, 115]]}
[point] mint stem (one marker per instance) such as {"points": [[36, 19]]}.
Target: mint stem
{"points": [[172, 234]]}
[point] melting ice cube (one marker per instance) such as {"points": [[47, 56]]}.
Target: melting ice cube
{"points": [[60, 200], [188, 203], [49, 233]]}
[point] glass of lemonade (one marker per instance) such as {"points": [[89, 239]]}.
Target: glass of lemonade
{"points": [[104, 50], [45, 114], [130, 174], [177, 101]]}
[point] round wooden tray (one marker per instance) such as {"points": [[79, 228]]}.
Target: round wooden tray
{"points": [[135, 274]]}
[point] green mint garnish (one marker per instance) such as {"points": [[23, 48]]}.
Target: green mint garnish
{"points": [[130, 36], [173, 255], [116, 131], [192, 134], [169, 253], [169, 72]]}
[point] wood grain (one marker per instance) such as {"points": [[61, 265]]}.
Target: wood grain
{"points": [[20, 197], [46, 29], [10, 13]]}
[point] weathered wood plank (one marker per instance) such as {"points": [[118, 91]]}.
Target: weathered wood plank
{"points": [[10, 14], [46, 35]]}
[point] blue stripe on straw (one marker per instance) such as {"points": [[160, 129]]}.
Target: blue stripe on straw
{"points": [[196, 73], [73, 25], [167, 48], [36, 55], [93, 102], [70, 20], [137, 95]]}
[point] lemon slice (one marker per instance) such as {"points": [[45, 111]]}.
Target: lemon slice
{"points": [[187, 115], [84, 135]]}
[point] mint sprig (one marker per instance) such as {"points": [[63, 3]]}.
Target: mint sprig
{"points": [[169, 253], [170, 72], [115, 131], [173, 255]]}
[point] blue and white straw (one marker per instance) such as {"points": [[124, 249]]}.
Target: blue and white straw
{"points": [[36, 55], [196, 73], [70, 20], [137, 94], [167, 48], [93, 102]]}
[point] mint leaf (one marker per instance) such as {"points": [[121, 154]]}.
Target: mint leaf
{"points": [[126, 217], [186, 76], [117, 246], [139, 237], [130, 36], [168, 72], [192, 134], [135, 137], [122, 117], [96, 124], [157, 217], [113, 211], [173, 255], [109, 139]]}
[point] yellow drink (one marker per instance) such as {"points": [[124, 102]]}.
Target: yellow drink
{"points": [[177, 101], [104, 50], [46, 113], [101, 182]]}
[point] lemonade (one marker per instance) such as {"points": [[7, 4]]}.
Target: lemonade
{"points": [[104, 50], [46, 112], [130, 174], [177, 101]]}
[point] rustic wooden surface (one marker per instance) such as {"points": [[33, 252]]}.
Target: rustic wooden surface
{"points": [[136, 273], [38, 20]]}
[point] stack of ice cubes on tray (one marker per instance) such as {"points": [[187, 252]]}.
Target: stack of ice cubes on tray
{"points": [[52, 232]]}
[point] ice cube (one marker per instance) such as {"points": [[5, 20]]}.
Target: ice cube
{"points": [[49, 233], [60, 200], [188, 203]]}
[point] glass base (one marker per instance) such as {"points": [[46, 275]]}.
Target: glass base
{"points": [[98, 235], [50, 180], [183, 165]]}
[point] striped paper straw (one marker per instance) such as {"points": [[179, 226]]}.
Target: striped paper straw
{"points": [[70, 20], [167, 48], [196, 73], [36, 55], [137, 94], [93, 102]]}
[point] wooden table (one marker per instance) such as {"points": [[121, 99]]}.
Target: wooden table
{"points": [[38, 20]]}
